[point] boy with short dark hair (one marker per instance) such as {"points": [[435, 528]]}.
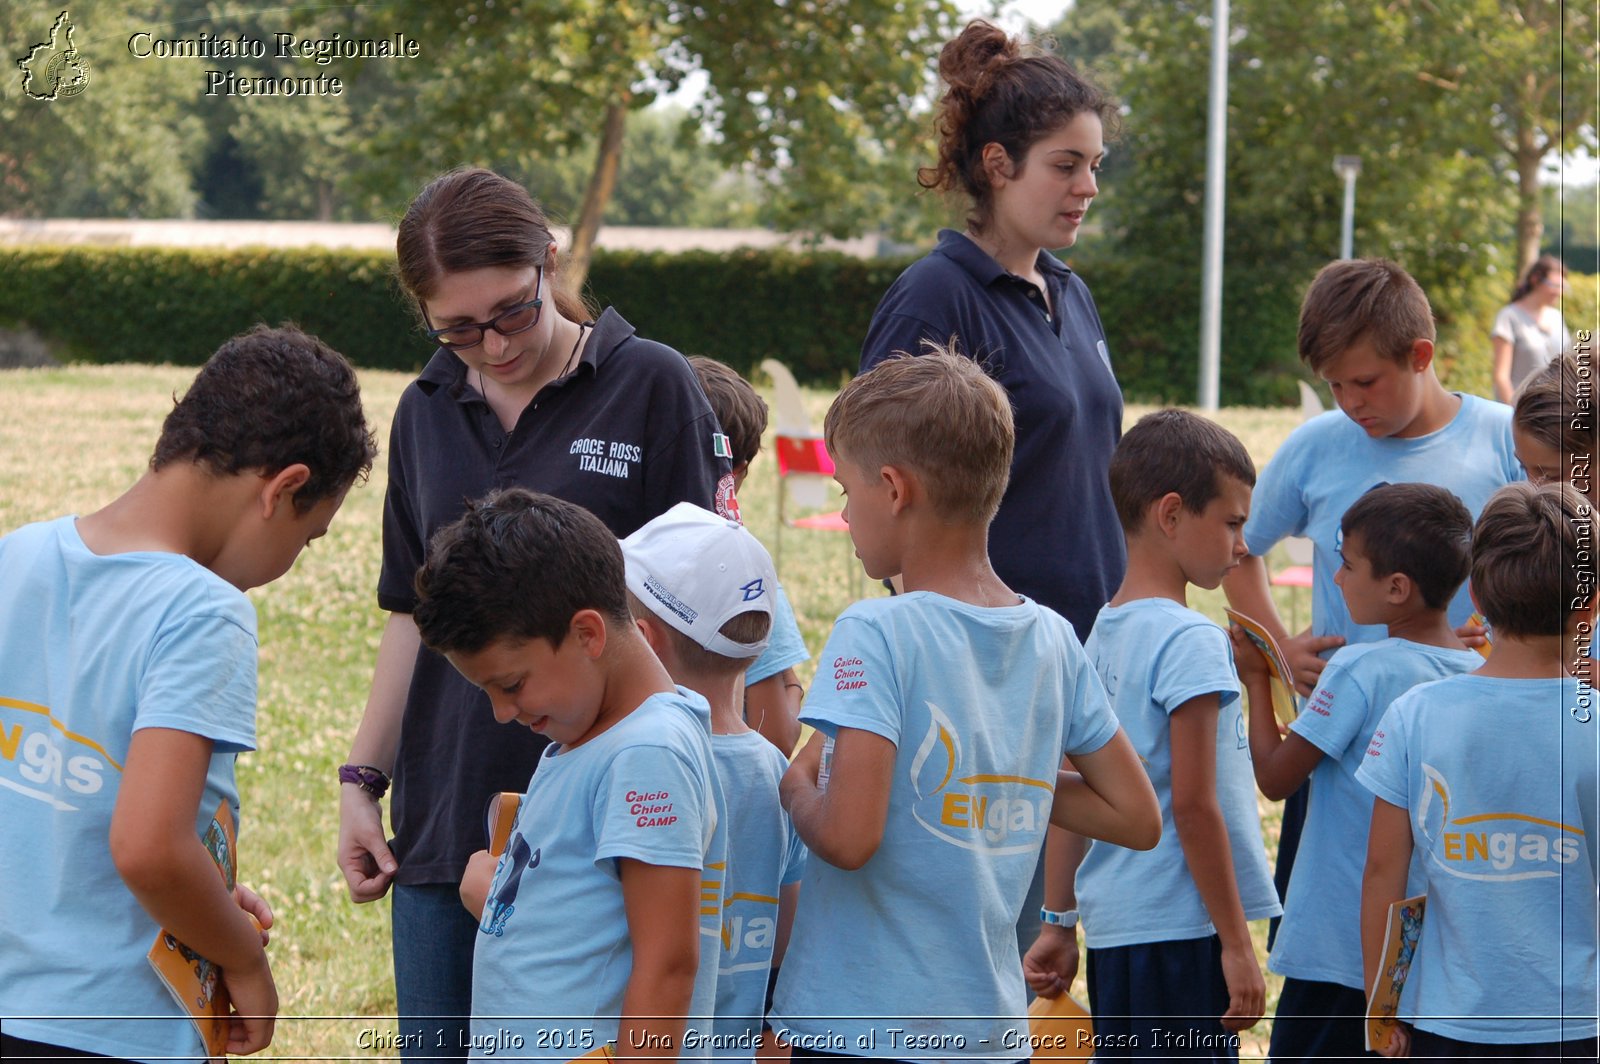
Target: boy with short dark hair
{"points": [[701, 589], [128, 691], [1405, 550], [947, 710], [525, 595], [1367, 330], [772, 689], [1172, 968], [1474, 774]]}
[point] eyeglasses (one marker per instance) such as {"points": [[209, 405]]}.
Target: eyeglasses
{"points": [[519, 318]]}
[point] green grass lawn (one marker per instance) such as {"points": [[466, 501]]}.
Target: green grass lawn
{"points": [[74, 437]]}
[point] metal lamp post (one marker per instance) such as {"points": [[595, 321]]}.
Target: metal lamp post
{"points": [[1348, 167]]}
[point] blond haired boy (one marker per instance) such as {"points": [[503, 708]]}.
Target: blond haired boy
{"points": [[948, 709]]}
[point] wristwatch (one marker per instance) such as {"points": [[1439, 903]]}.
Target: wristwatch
{"points": [[1055, 919]]}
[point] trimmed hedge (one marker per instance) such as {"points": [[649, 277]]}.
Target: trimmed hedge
{"points": [[809, 311]]}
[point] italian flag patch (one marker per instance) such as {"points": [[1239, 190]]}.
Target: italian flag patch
{"points": [[720, 446]]}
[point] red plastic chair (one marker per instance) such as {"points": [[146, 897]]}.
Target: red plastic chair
{"points": [[804, 469]]}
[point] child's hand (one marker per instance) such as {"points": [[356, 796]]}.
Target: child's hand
{"points": [[803, 769], [1247, 989], [1304, 653], [1250, 663], [255, 1007], [256, 906], [477, 879], [1399, 1044], [1473, 634], [1051, 963]]}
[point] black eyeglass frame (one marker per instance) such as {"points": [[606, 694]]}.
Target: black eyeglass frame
{"points": [[536, 303]]}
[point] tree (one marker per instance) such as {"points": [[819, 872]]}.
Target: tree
{"points": [[1525, 70], [823, 98]]}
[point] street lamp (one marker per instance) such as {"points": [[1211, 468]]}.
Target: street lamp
{"points": [[1347, 167]]}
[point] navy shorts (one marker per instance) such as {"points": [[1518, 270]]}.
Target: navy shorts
{"points": [[1160, 1001], [1319, 1021], [1436, 1046]]}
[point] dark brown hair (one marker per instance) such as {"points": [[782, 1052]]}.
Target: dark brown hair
{"points": [[938, 414], [1533, 558], [740, 411], [1174, 451], [1542, 267], [469, 219], [1362, 299], [1006, 91], [1420, 530], [517, 565], [265, 400]]}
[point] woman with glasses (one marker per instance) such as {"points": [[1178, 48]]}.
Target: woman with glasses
{"points": [[524, 390], [1529, 331]]}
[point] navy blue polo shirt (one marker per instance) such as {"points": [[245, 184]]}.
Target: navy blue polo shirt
{"points": [[1056, 538], [626, 435]]}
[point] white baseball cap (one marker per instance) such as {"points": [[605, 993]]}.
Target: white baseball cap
{"points": [[696, 571]]}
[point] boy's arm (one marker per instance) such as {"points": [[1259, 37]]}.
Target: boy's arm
{"points": [[363, 853], [158, 853], [772, 707], [1382, 884], [788, 901], [1051, 963], [1281, 763], [662, 904], [1248, 590], [1203, 834], [844, 824], [1109, 797]]}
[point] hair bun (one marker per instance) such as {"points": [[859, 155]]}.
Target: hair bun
{"points": [[969, 63]]}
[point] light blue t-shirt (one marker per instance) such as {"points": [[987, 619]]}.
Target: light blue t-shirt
{"points": [[92, 649], [921, 941], [785, 647], [1329, 462], [1486, 769], [764, 854], [1153, 655], [553, 936], [1320, 937]]}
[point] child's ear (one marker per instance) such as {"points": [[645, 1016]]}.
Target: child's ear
{"points": [[650, 628], [1164, 512], [1421, 356], [279, 488], [1399, 589], [588, 627], [902, 485]]}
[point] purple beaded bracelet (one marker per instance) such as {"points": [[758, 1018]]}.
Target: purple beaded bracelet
{"points": [[374, 781]]}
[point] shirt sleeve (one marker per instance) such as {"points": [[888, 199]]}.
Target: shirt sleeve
{"points": [[785, 649], [652, 805], [402, 534], [683, 465], [1197, 660], [1277, 506], [201, 679], [1384, 771], [892, 332], [1090, 722], [1335, 712], [855, 685], [1503, 328]]}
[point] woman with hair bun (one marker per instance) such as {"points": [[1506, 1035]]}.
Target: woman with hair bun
{"points": [[526, 389], [1021, 137]]}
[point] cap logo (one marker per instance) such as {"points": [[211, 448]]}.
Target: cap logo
{"points": [[720, 446], [753, 590], [670, 601]]}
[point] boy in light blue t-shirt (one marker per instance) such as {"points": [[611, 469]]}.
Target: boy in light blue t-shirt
{"points": [[1475, 775], [772, 690], [128, 657], [948, 708], [702, 590], [1405, 551], [1172, 969], [594, 924]]}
